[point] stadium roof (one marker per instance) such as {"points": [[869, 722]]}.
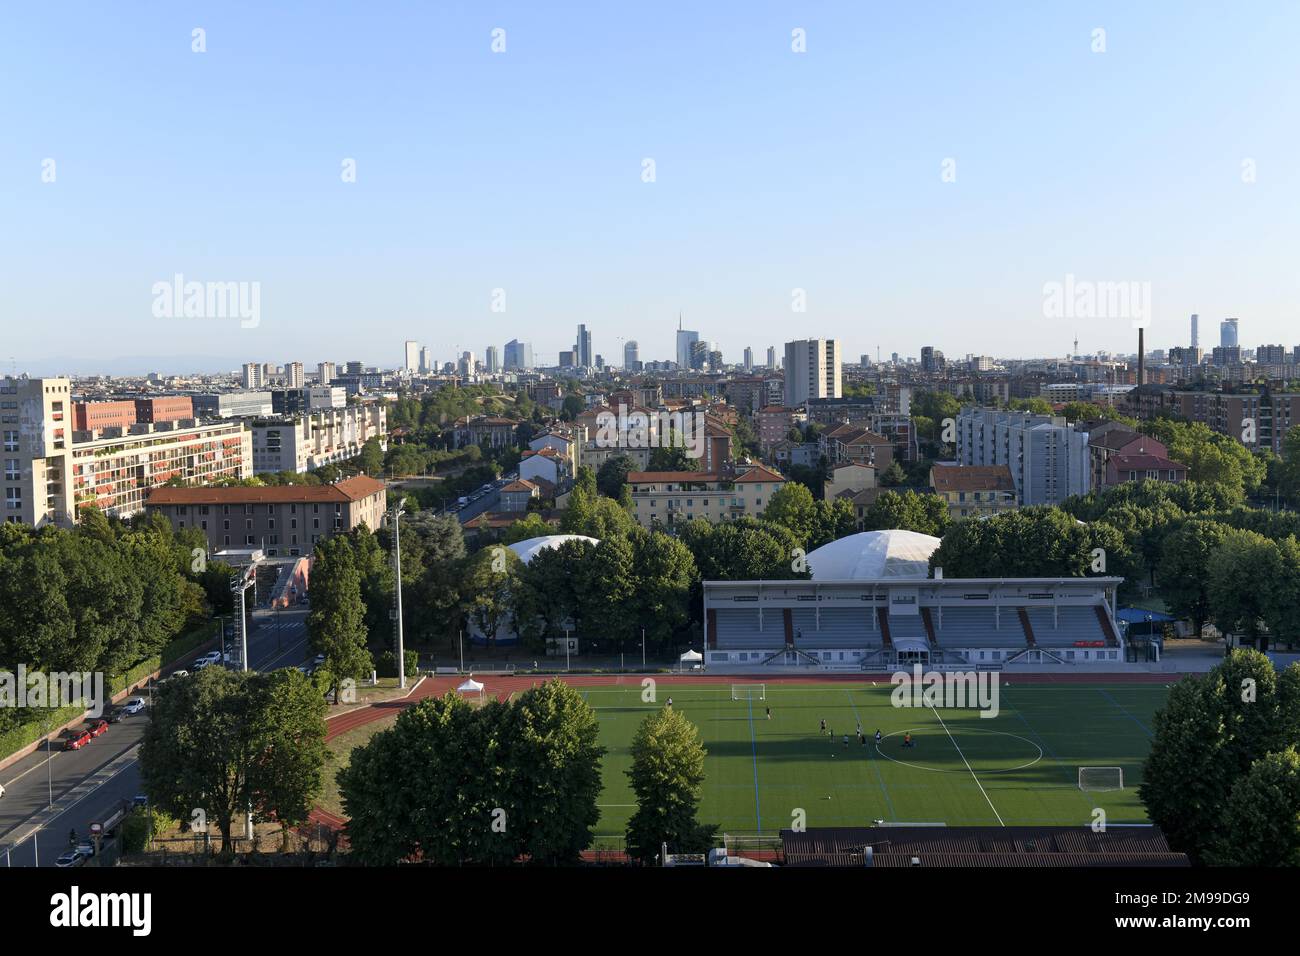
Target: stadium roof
{"points": [[529, 547], [873, 555]]}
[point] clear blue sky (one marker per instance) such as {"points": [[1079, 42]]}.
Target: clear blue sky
{"points": [[522, 171]]}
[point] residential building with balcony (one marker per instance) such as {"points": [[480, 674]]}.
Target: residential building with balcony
{"points": [[664, 498], [974, 490]]}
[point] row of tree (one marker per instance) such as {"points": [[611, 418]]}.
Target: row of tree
{"points": [[456, 783]]}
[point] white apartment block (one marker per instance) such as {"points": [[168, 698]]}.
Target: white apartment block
{"points": [[812, 370], [306, 442]]}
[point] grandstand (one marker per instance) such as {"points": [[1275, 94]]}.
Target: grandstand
{"points": [[854, 625], [889, 613]]}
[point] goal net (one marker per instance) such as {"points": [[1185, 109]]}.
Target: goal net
{"points": [[1101, 778], [748, 692]]}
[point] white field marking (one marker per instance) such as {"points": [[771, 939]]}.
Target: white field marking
{"points": [[968, 767]]}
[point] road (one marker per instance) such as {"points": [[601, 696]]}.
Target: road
{"points": [[88, 784]]}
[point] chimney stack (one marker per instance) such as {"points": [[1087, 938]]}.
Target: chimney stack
{"points": [[1141, 354]]}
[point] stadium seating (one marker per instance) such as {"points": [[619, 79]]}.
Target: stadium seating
{"points": [[907, 627], [1072, 625], [977, 627], [739, 628], [840, 627]]}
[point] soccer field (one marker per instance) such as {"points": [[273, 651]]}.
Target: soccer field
{"points": [[1019, 768]]}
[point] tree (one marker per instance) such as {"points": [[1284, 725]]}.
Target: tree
{"points": [[1263, 808], [909, 511], [554, 772], [371, 458], [1244, 575], [452, 785], [792, 506], [220, 741], [612, 476], [664, 572], [667, 774], [336, 622], [1209, 733], [488, 582], [835, 519], [1183, 572], [595, 516]]}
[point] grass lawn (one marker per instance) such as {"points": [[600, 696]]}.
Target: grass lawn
{"points": [[1019, 768], [340, 755]]}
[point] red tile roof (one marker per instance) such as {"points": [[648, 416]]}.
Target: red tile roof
{"points": [[642, 477], [972, 478], [349, 489]]}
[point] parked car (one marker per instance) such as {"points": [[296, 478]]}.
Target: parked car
{"points": [[71, 858], [135, 704], [76, 740], [98, 728], [140, 800], [176, 674], [211, 657], [86, 848]]}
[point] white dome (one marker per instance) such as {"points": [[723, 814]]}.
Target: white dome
{"points": [[871, 555], [527, 548]]}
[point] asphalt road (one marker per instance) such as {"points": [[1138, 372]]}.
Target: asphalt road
{"points": [[87, 785]]}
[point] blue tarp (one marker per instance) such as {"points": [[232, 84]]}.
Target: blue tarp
{"points": [[1138, 615]]}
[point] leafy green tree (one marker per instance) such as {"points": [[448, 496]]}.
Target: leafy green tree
{"points": [[220, 741], [452, 785], [1244, 574], [909, 511], [664, 572], [666, 775], [1212, 728], [554, 773], [611, 479], [488, 583], [595, 516], [1183, 573], [835, 519], [336, 622], [1263, 808], [792, 506], [371, 458]]}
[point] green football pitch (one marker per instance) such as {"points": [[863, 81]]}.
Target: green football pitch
{"points": [[1020, 768]]}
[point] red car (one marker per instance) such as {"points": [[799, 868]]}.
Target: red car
{"points": [[77, 740], [99, 728]]}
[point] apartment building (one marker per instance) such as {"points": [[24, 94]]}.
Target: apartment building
{"points": [[974, 490], [309, 441], [52, 469], [812, 370], [1048, 460], [669, 497], [281, 520], [96, 416]]}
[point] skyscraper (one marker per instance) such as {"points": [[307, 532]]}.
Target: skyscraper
{"points": [[252, 375], [749, 359], [324, 373], [1195, 336], [771, 358], [631, 355], [518, 355], [685, 339], [426, 359], [293, 374], [582, 347], [812, 370], [490, 360], [412, 356], [1228, 333]]}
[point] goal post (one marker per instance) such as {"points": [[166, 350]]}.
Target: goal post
{"points": [[749, 692], [1101, 778]]}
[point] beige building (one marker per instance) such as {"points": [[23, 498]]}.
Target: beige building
{"points": [[51, 471], [974, 490], [668, 497], [281, 520], [850, 476]]}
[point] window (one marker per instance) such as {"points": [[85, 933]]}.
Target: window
{"points": [[225, 525]]}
